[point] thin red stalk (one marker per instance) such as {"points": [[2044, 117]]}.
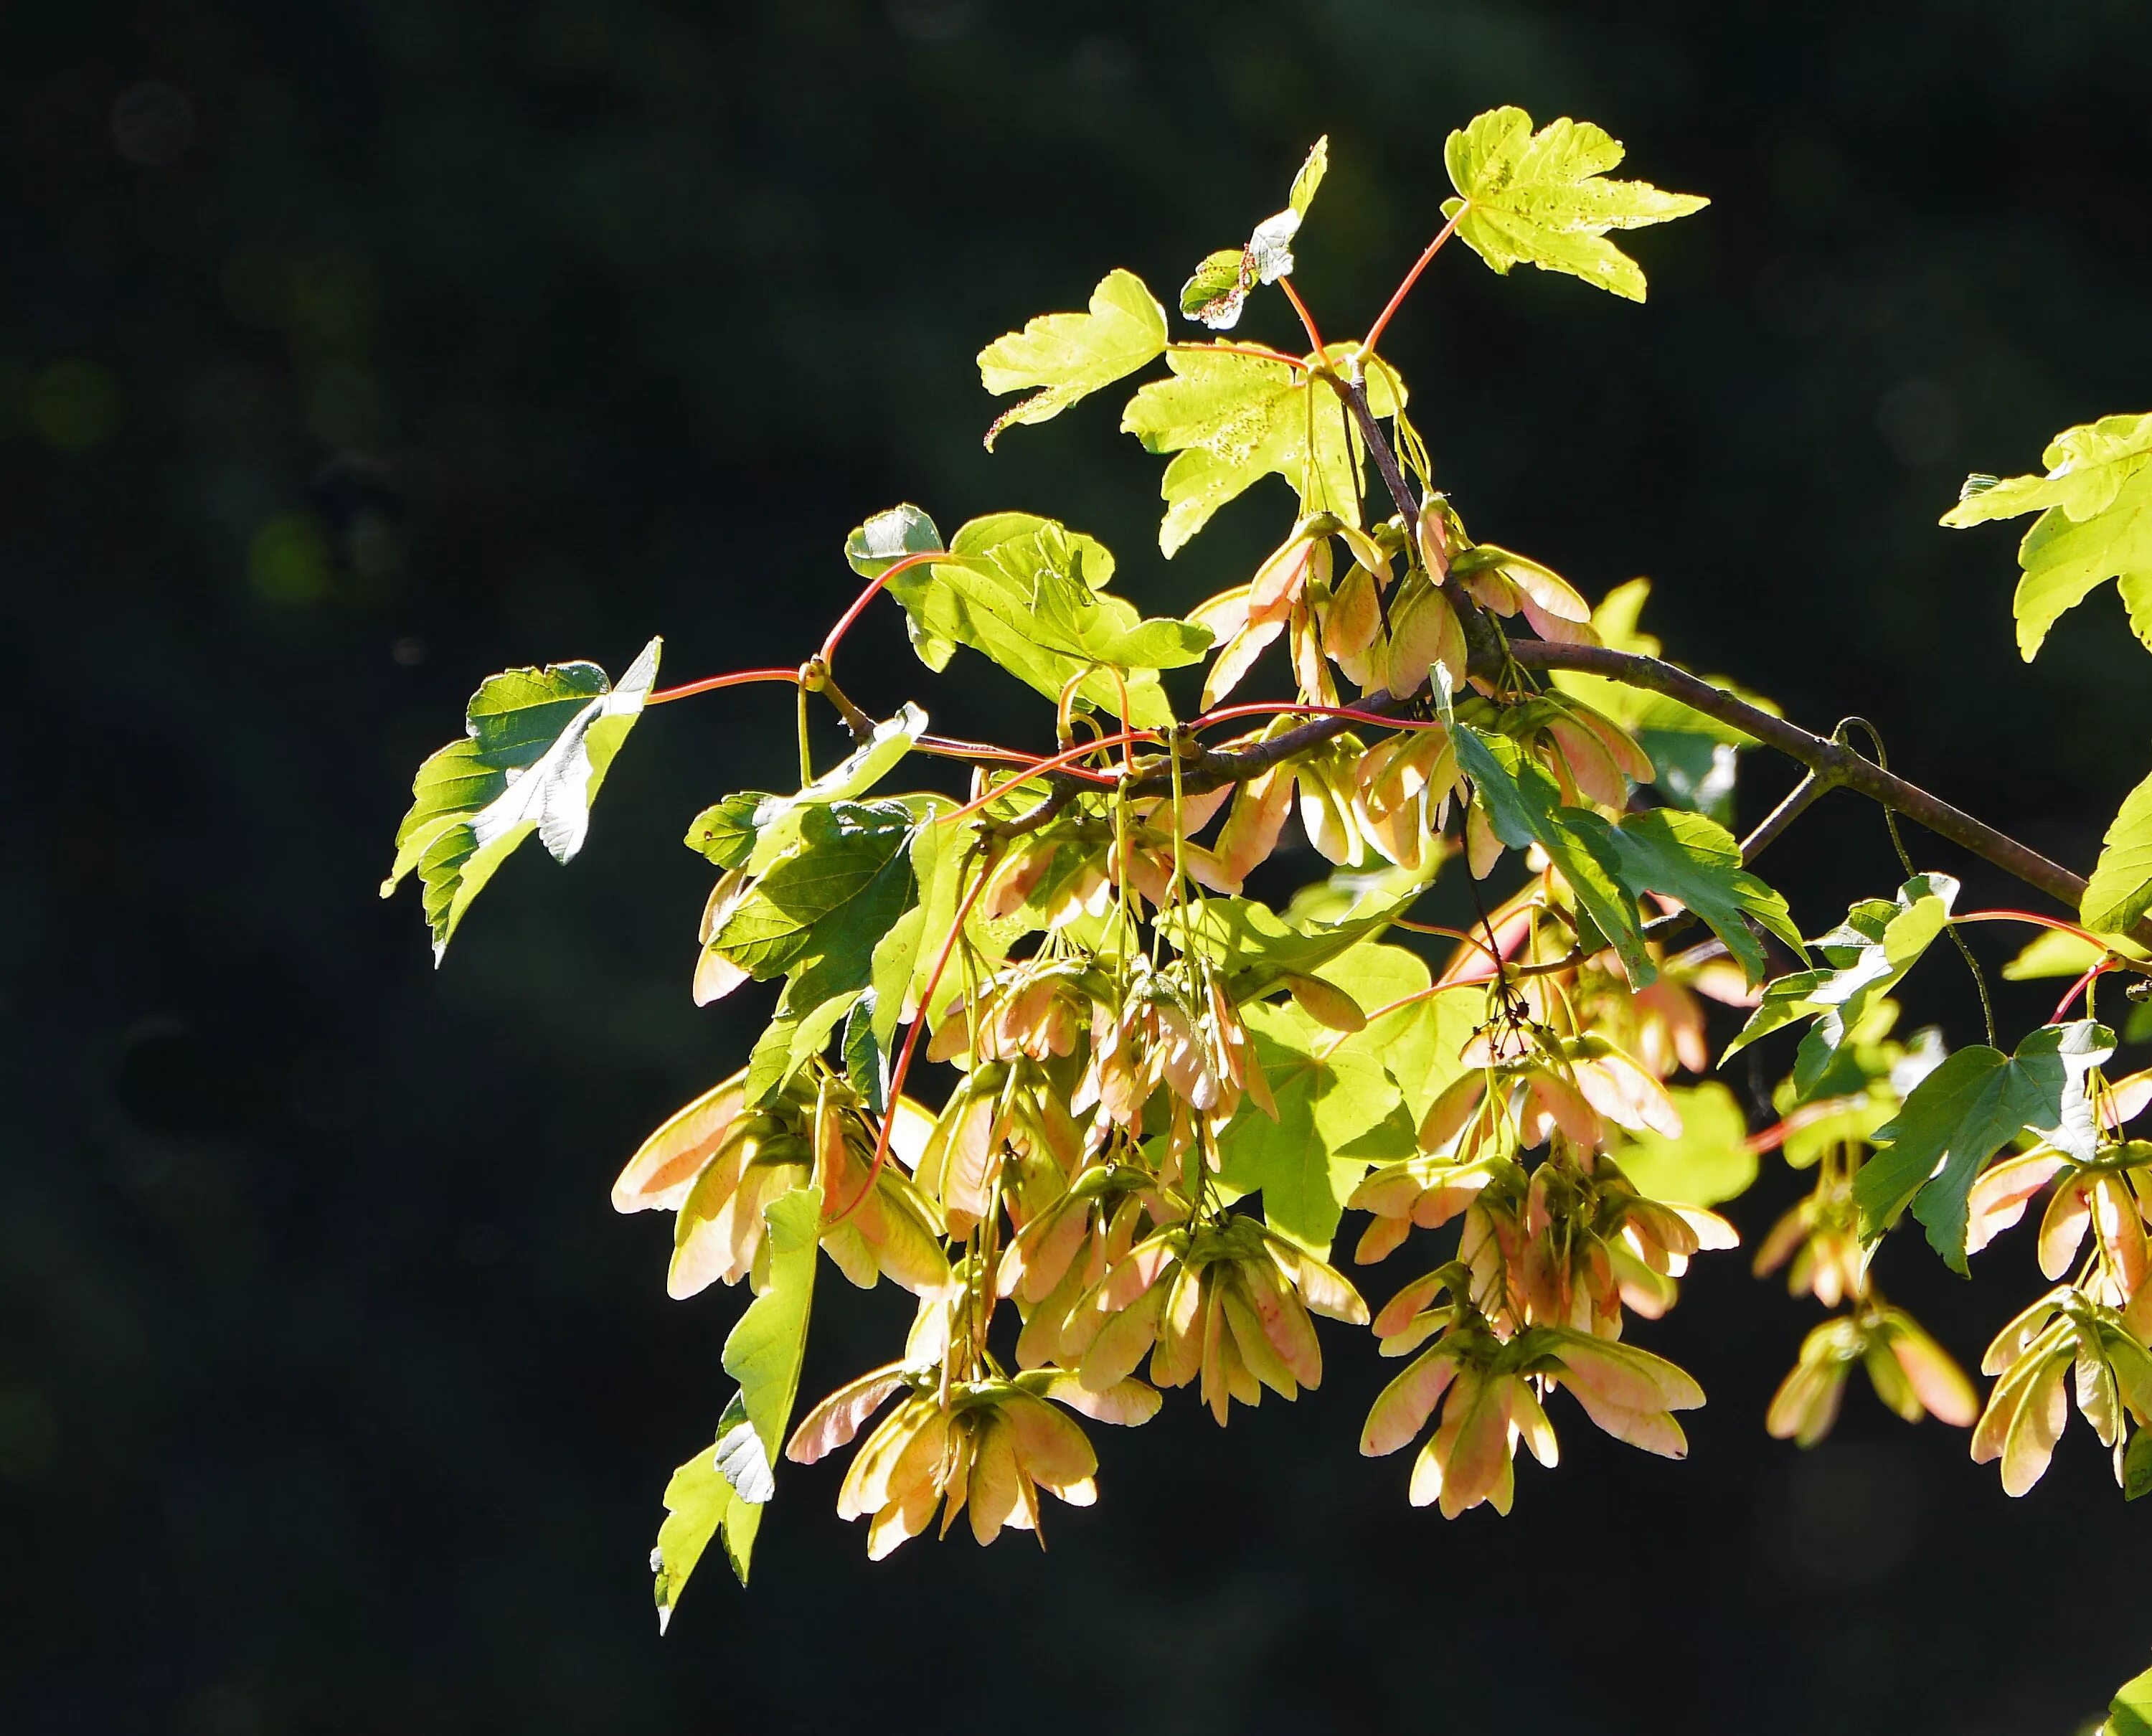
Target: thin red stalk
{"points": [[1447, 934], [739, 677], [1058, 763], [1405, 289], [2078, 987], [2037, 921], [846, 620], [1306, 319], [911, 1042], [943, 746], [1771, 1137]]}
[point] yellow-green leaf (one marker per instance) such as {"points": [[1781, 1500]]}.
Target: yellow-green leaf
{"points": [[1059, 358], [712, 1495], [1541, 198], [1709, 1162], [765, 1350], [2096, 524], [2130, 1713], [2120, 890], [1230, 420]]}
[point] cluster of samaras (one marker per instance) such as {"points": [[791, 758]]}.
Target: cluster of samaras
{"points": [[2090, 1333], [1069, 1178]]}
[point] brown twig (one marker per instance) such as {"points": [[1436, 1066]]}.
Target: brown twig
{"points": [[1831, 760]]}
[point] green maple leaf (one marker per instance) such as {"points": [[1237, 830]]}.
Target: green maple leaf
{"points": [[537, 745], [1707, 1163], [1524, 807], [2130, 1712], [831, 895], [2120, 890], [1692, 857], [701, 1503], [1864, 959], [1964, 1112], [1025, 592], [1231, 419], [1251, 947], [1339, 1112], [1059, 358], [2096, 524], [720, 1491], [1540, 198], [752, 829]]}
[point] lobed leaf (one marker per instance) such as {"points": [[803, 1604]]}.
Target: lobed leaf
{"points": [[1338, 1112], [1539, 198], [1707, 1162], [1024, 591], [765, 1349], [2096, 524], [2129, 1713], [2120, 890], [1864, 958], [1060, 358], [751, 830], [1693, 858], [537, 745], [1523, 805], [1958, 1117], [1219, 289], [701, 1503], [1231, 419]]}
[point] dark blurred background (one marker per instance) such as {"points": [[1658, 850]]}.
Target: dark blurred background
{"points": [[350, 352]]}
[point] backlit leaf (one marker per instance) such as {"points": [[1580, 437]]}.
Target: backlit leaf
{"points": [[701, 1503], [2095, 523], [1219, 289], [1231, 419], [752, 829], [835, 892], [888, 537], [1692, 857], [1332, 1096], [1253, 948], [1864, 957], [2130, 1712], [1025, 592], [878, 545], [764, 1349], [1707, 1162], [2120, 890], [1541, 198], [536, 749], [1059, 358]]}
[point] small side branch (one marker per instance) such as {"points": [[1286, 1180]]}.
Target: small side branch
{"points": [[1483, 638]]}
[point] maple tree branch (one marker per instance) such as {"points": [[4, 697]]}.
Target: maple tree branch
{"points": [[1833, 763]]}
